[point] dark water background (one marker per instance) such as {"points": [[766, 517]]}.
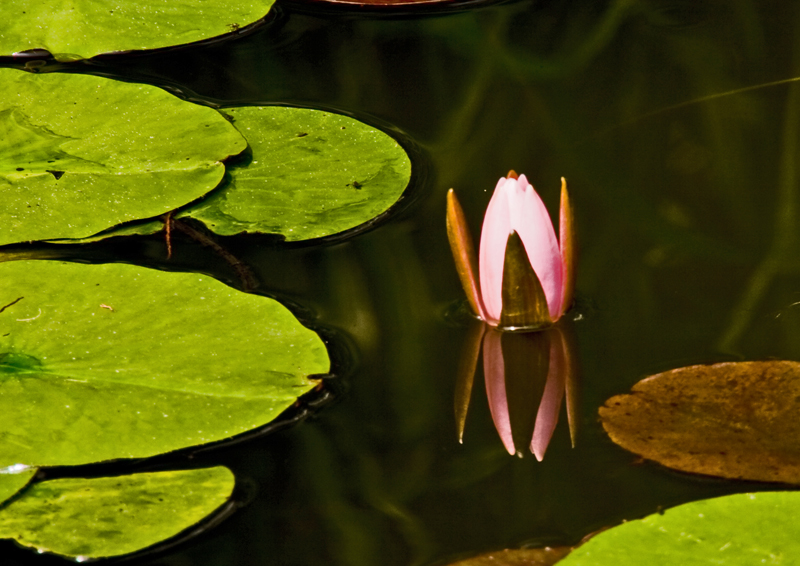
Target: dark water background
{"points": [[686, 211]]}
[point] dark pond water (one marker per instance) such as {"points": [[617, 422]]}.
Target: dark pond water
{"points": [[685, 194]]}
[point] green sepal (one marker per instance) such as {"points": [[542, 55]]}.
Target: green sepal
{"points": [[524, 302]]}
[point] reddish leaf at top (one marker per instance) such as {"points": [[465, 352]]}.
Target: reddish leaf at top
{"points": [[385, 2]]}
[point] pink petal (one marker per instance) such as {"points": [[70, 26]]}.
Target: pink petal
{"points": [[530, 219], [494, 373], [550, 406], [494, 236]]}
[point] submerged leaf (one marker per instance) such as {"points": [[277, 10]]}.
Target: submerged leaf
{"points": [[100, 517], [735, 420], [735, 530], [116, 361], [85, 28], [312, 174], [79, 154]]}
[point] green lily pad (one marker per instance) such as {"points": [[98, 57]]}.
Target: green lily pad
{"points": [[71, 29], [117, 361], [735, 530], [142, 228], [79, 154], [11, 481], [313, 174], [735, 420], [95, 518]]}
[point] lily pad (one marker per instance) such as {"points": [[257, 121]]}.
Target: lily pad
{"points": [[79, 154], [312, 174], [116, 361], [11, 481], [71, 29], [735, 420], [735, 530], [100, 517]]}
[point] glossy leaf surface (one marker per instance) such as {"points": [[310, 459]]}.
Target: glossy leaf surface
{"points": [[312, 174], [72, 29], [99, 517], [116, 361], [735, 420], [79, 154], [11, 483], [736, 530]]}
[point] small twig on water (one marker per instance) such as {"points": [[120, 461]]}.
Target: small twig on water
{"points": [[168, 228], [242, 269]]}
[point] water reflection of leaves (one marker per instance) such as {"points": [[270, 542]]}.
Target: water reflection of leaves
{"points": [[519, 370], [735, 420]]}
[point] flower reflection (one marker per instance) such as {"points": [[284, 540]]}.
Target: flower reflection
{"points": [[527, 376]]}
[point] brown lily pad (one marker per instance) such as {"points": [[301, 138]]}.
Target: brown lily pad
{"points": [[403, 2], [391, 5], [734, 420], [546, 556]]}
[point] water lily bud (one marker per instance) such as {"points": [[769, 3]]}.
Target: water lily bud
{"points": [[518, 245]]}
